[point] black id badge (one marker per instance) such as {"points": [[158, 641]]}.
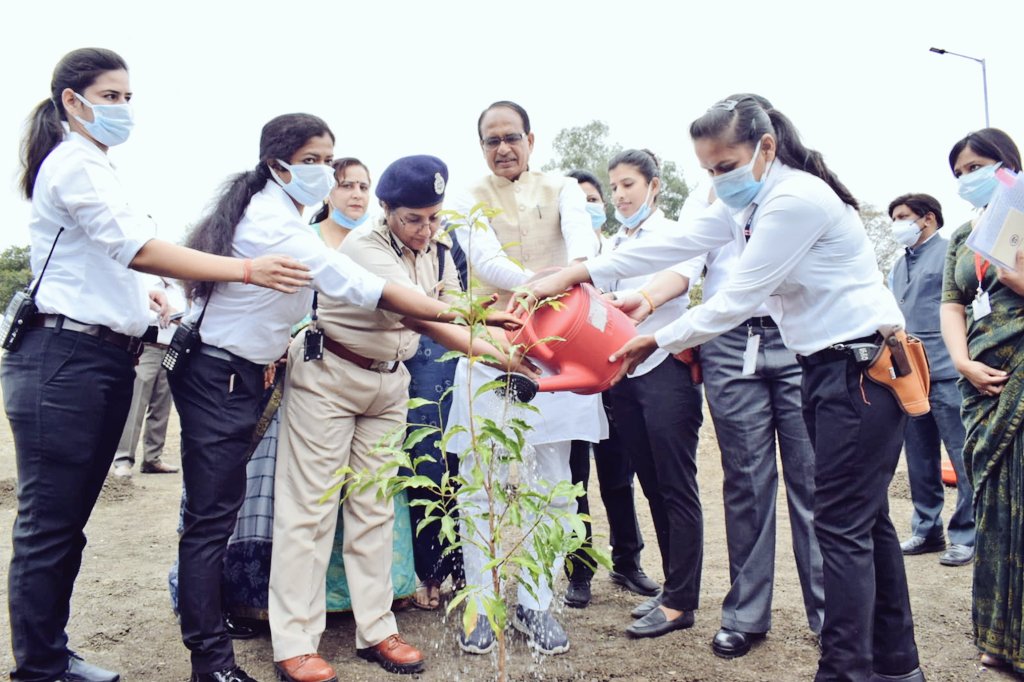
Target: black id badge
{"points": [[314, 345]]}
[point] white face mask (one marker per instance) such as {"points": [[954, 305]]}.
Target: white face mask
{"points": [[111, 123], [311, 183], [906, 232]]}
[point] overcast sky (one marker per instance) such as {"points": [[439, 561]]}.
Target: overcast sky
{"points": [[399, 78]]}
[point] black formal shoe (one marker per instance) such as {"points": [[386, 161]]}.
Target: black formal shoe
{"points": [[919, 545], [80, 671], [914, 675], [234, 674], [578, 594], [733, 643], [656, 624], [635, 580], [646, 606], [240, 628]]}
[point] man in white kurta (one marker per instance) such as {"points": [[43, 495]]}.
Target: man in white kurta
{"points": [[543, 223]]}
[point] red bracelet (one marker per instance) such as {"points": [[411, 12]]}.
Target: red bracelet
{"points": [[247, 271]]}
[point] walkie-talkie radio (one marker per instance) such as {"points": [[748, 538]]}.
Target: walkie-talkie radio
{"points": [[184, 343], [314, 342], [22, 309]]}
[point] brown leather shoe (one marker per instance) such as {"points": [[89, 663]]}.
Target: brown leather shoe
{"points": [[305, 668], [394, 655], [158, 467]]}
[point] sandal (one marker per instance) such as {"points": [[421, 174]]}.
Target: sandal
{"points": [[428, 595]]}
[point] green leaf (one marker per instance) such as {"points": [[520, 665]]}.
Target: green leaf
{"points": [[418, 435], [489, 386], [469, 617]]}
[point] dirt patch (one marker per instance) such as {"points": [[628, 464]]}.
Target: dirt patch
{"points": [[121, 615], [8, 493]]}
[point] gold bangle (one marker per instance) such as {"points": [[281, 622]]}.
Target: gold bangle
{"points": [[647, 297]]}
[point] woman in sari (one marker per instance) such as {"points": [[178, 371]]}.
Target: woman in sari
{"points": [[983, 327]]}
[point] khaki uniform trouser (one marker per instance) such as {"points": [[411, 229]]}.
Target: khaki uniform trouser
{"points": [[334, 413]]}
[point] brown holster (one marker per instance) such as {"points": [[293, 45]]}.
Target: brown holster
{"points": [[691, 358], [901, 366]]}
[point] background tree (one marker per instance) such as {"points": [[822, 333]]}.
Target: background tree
{"points": [[587, 148], [15, 273], [876, 223]]}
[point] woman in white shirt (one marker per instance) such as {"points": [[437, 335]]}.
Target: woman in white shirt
{"points": [[68, 387], [806, 254], [657, 410], [218, 394]]}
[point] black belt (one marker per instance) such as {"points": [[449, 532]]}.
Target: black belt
{"points": [[225, 355], [763, 322], [129, 344], [859, 350]]}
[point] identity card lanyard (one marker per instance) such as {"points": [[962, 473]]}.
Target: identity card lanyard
{"points": [[982, 307], [753, 340]]}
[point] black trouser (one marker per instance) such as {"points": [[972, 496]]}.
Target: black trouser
{"points": [[578, 565], [658, 416], [857, 431], [429, 550], [67, 396], [218, 417]]}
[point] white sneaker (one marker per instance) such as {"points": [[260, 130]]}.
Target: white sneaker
{"points": [[123, 471]]}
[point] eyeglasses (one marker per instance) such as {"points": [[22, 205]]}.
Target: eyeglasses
{"points": [[417, 223], [495, 142]]}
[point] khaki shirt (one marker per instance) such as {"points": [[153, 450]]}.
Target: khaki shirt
{"points": [[379, 334]]}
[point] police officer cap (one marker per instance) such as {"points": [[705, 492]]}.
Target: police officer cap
{"points": [[413, 182]]}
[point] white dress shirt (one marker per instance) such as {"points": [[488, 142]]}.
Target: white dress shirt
{"points": [[492, 264], [808, 256], [255, 323], [88, 278], [669, 311]]}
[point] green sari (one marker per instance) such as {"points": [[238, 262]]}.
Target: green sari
{"points": [[994, 454]]}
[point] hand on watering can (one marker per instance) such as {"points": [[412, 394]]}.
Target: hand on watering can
{"points": [[635, 351], [545, 286], [636, 307]]}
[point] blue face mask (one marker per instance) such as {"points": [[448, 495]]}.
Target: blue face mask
{"points": [[641, 215], [597, 215], [111, 123], [737, 188], [979, 185], [311, 183], [346, 222]]}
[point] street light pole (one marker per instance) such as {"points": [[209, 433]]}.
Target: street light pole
{"points": [[984, 73]]}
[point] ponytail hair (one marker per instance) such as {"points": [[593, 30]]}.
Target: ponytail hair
{"points": [[746, 118], [644, 160], [339, 166], [77, 70], [280, 139]]}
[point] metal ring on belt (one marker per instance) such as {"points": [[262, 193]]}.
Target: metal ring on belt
{"points": [[129, 344], [763, 322]]}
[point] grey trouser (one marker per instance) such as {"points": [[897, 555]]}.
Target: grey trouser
{"points": [[750, 413], [151, 402]]}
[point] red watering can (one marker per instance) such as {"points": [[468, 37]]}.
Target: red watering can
{"points": [[590, 329]]}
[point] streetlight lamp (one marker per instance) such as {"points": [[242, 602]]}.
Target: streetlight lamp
{"points": [[984, 75]]}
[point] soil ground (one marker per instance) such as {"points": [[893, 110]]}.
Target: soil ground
{"points": [[121, 616]]}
